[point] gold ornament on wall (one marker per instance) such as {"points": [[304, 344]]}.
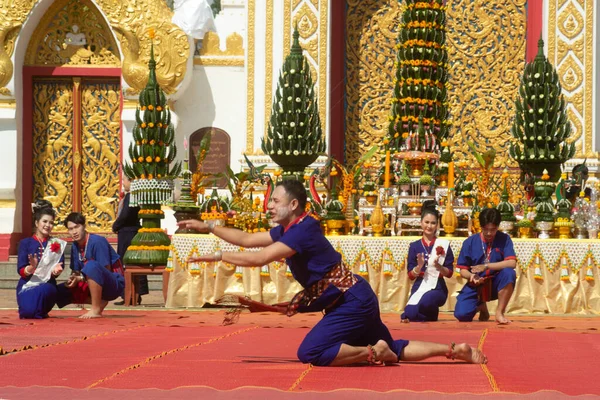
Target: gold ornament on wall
{"points": [[72, 32], [14, 13], [132, 20]]}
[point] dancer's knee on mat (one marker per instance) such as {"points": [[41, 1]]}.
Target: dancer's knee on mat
{"points": [[313, 356], [463, 316]]}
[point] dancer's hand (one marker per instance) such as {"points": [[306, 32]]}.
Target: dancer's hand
{"points": [[420, 260], [199, 226], [73, 279], [57, 270], [436, 263], [33, 261], [478, 268], [476, 280]]}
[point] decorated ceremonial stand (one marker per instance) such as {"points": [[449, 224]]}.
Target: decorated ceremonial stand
{"points": [[151, 183]]}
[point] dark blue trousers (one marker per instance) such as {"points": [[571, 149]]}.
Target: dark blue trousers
{"points": [[468, 301], [354, 321], [428, 308]]}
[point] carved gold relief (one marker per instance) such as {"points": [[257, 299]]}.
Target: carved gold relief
{"points": [[72, 32], [131, 20], [486, 45], [570, 49], [570, 22], [370, 55], [100, 153], [211, 45], [12, 15], [53, 145]]}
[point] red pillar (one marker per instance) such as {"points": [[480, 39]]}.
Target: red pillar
{"points": [[535, 25], [337, 76]]}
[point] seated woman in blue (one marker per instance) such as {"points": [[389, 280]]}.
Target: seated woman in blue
{"points": [[40, 260], [97, 272], [351, 330], [429, 261]]}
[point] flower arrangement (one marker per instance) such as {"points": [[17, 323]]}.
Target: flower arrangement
{"points": [[420, 82], [525, 223], [439, 251], [541, 126], [294, 137], [151, 154]]}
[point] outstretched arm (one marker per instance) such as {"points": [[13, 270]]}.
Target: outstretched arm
{"points": [[233, 236], [274, 252]]}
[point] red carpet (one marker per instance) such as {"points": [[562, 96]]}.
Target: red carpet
{"points": [[173, 351]]}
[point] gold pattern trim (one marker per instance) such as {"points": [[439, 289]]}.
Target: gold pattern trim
{"points": [[8, 204], [268, 65], [72, 33], [250, 78], [8, 103], [570, 49], [224, 61], [323, 14], [287, 27]]}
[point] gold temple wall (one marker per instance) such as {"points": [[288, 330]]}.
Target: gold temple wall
{"points": [[486, 48]]}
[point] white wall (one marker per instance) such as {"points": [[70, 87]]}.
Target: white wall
{"points": [[216, 98]]}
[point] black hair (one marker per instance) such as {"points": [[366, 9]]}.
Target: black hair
{"points": [[430, 211], [295, 190], [76, 218], [41, 208], [489, 216]]}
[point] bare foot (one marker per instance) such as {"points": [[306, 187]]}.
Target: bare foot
{"points": [[484, 314], [466, 353], [405, 320], [501, 319], [384, 353], [91, 314]]}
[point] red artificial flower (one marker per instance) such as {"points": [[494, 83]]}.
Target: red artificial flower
{"points": [[55, 247], [440, 251]]}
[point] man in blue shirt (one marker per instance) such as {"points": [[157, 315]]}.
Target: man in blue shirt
{"points": [[351, 330], [487, 261]]}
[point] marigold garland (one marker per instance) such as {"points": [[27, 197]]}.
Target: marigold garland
{"points": [[157, 248], [150, 230]]}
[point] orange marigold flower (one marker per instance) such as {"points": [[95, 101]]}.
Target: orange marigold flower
{"points": [[153, 142], [396, 134], [157, 159], [158, 108], [143, 125], [148, 159], [159, 176], [150, 176], [140, 159], [150, 107], [143, 108], [144, 141], [151, 125], [404, 135]]}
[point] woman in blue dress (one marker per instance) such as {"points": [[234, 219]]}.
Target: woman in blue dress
{"points": [[36, 298], [351, 330], [423, 254]]}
